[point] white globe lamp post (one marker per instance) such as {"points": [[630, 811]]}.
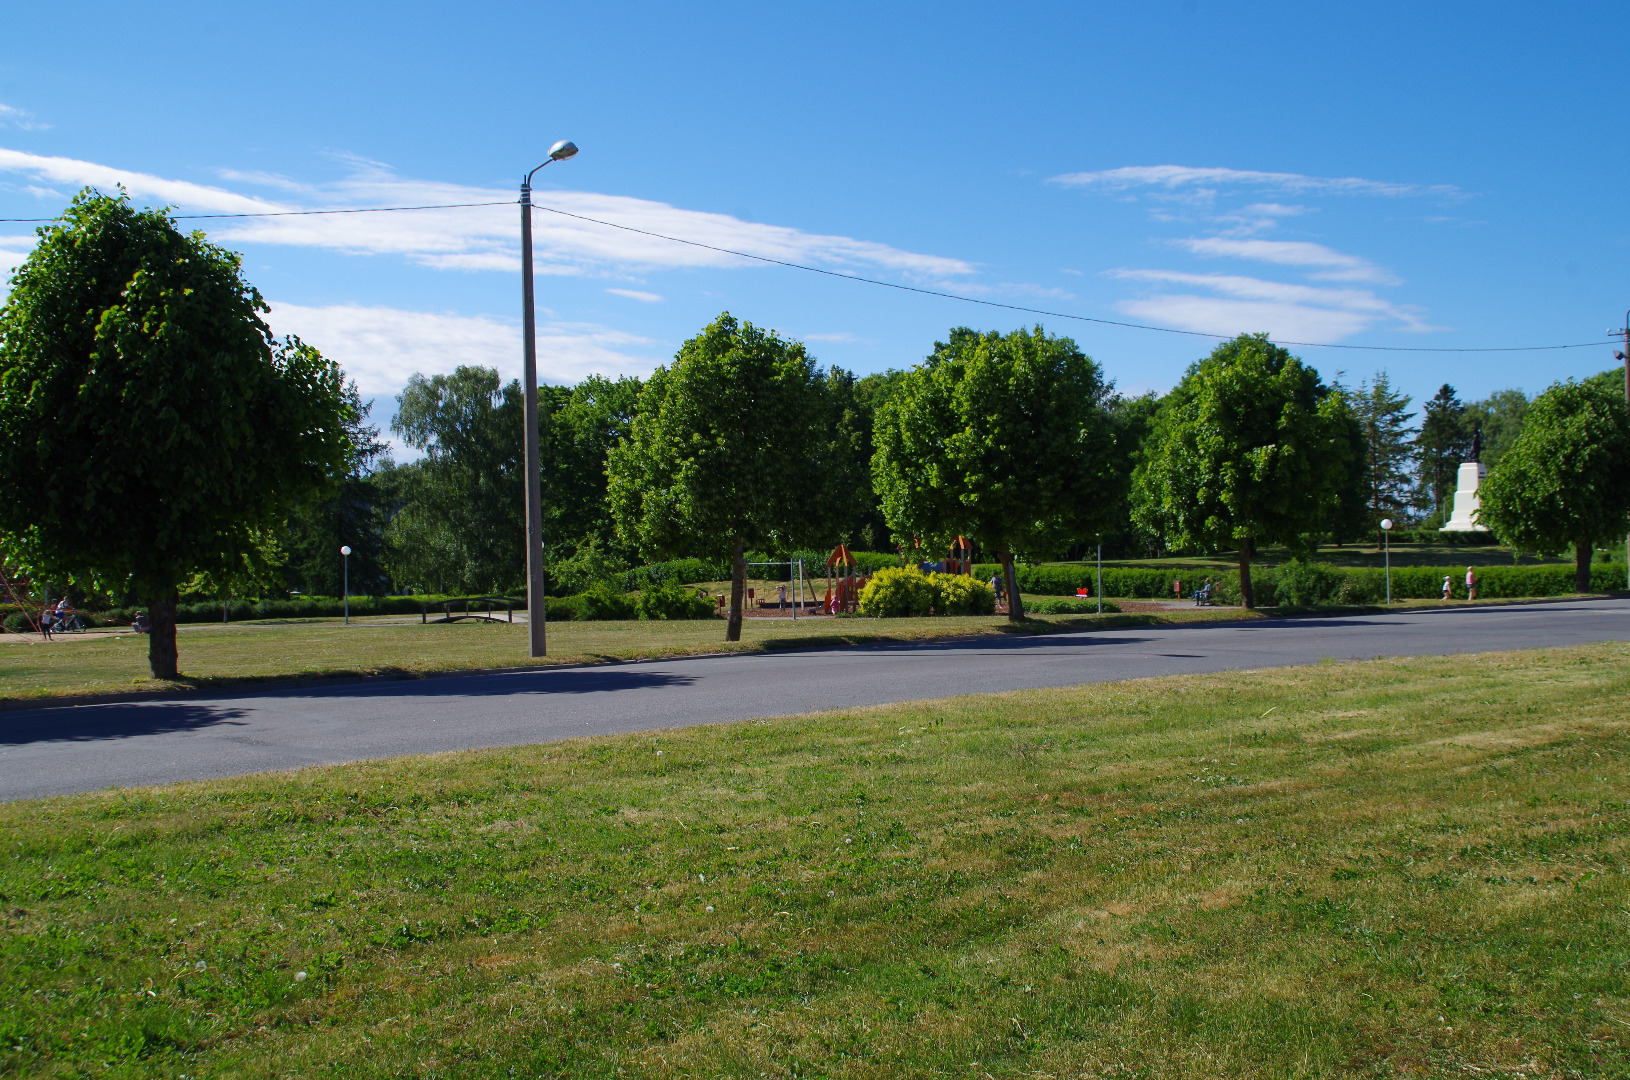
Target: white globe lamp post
{"points": [[1386, 540], [345, 552]]}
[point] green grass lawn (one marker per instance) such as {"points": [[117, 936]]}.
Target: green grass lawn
{"points": [[214, 653], [1393, 868]]}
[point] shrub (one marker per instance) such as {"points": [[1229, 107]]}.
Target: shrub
{"points": [[670, 600], [589, 565], [958, 594], [894, 593], [679, 571]]}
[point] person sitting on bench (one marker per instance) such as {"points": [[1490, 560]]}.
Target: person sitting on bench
{"points": [[1202, 595]]}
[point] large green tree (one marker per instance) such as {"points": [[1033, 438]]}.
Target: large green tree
{"points": [[1442, 444], [1003, 438], [460, 525], [1250, 448], [1566, 479], [581, 425], [354, 516], [1500, 418], [1383, 416], [725, 452], [151, 428]]}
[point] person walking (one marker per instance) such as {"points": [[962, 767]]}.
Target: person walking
{"points": [[1471, 584], [1448, 587]]}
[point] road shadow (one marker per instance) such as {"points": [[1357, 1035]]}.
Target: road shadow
{"points": [[50, 720], [113, 722]]}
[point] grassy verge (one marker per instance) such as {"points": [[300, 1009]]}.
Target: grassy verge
{"points": [[1395, 868], [216, 654]]}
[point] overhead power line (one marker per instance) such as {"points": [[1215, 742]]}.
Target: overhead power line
{"points": [[864, 280]]}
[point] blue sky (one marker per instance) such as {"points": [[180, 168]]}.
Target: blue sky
{"points": [[1447, 175]]}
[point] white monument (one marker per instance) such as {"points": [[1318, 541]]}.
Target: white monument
{"points": [[1464, 518]]}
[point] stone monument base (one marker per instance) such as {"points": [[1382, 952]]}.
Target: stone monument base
{"points": [[1467, 504]]}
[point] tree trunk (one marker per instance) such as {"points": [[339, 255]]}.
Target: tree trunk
{"points": [[161, 651], [1581, 567], [1247, 595], [738, 592], [1015, 605]]}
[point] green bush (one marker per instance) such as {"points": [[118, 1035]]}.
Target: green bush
{"points": [[958, 594], [596, 604], [588, 566], [679, 571], [895, 593], [670, 600]]}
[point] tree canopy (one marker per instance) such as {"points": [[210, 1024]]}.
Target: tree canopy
{"points": [[1383, 417], [1250, 447], [726, 452], [1442, 444], [462, 522], [1003, 438], [1566, 479], [151, 428]]}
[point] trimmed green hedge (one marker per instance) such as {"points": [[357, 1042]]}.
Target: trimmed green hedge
{"points": [[1315, 583]]}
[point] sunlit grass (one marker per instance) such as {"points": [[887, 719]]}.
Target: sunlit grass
{"points": [[1394, 868]]}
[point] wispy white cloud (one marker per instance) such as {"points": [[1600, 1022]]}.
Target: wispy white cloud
{"points": [[72, 173], [1177, 177], [380, 346], [21, 119], [1232, 304], [635, 294], [1326, 263], [837, 336], [485, 238], [13, 250]]}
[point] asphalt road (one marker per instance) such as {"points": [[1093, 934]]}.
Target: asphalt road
{"points": [[57, 751]]}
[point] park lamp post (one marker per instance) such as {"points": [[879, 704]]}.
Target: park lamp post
{"points": [[1386, 540], [345, 553], [534, 488]]}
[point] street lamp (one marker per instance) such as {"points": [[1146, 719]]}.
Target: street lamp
{"points": [[1386, 540], [345, 550], [534, 490], [1100, 589]]}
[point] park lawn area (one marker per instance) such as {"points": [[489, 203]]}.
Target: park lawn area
{"points": [[1391, 868], [214, 654]]}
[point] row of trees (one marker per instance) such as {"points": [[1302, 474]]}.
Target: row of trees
{"points": [[155, 437]]}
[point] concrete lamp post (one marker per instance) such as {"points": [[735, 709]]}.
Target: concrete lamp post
{"points": [[534, 490], [345, 553], [1386, 540]]}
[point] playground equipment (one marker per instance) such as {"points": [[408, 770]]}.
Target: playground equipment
{"points": [[794, 587], [961, 560], [843, 582]]}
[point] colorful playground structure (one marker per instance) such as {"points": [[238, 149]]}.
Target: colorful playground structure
{"points": [[843, 582]]}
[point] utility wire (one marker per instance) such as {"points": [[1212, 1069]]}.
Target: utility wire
{"points": [[863, 280], [297, 213]]}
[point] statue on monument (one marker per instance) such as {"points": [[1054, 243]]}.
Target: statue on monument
{"points": [[1477, 444]]}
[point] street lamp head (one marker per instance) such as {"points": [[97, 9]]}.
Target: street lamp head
{"points": [[1386, 523], [562, 150], [345, 549]]}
